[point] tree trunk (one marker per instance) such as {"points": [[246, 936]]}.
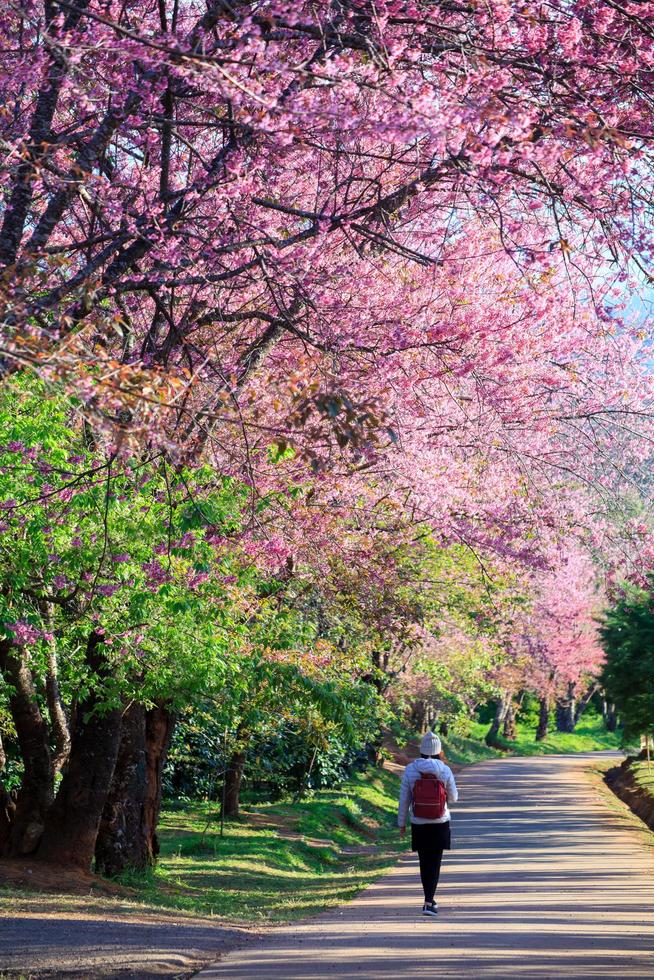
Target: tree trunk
{"points": [[493, 732], [58, 720], [374, 750], [565, 711], [543, 719], [159, 726], [127, 835], [611, 719], [7, 813], [380, 679], [418, 716], [119, 833], [233, 779], [21, 834], [509, 729], [585, 700], [72, 823]]}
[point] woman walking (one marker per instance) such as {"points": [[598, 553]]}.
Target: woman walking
{"points": [[427, 787]]}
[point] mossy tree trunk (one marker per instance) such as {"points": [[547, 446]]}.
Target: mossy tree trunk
{"points": [[565, 711], [73, 820], [23, 820], [127, 837], [611, 717]]}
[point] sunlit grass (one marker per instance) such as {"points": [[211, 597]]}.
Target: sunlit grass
{"points": [[644, 775], [465, 750], [279, 862], [590, 735]]}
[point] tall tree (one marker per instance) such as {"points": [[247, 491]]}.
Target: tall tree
{"points": [[628, 635]]}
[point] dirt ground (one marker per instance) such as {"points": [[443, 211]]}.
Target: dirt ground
{"points": [[92, 945], [30, 874], [69, 924]]}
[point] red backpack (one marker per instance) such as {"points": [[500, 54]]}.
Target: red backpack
{"points": [[428, 797]]}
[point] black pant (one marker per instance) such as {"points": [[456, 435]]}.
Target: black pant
{"points": [[430, 869]]}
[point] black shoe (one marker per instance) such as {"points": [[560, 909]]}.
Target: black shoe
{"points": [[430, 908]]}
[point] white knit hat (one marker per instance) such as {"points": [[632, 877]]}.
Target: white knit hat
{"points": [[430, 745]]}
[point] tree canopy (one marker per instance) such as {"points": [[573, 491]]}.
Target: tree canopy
{"points": [[326, 375], [628, 635]]}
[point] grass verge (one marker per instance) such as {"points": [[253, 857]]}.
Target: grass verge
{"points": [[643, 774], [590, 735], [619, 809], [281, 861]]}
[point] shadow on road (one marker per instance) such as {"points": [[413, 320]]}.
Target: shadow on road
{"points": [[544, 883]]}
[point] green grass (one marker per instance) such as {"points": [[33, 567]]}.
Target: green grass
{"points": [[643, 775], [466, 750], [619, 810], [281, 861], [590, 735]]}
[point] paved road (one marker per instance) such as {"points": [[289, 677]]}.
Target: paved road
{"points": [[545, 883], [91, 947]]}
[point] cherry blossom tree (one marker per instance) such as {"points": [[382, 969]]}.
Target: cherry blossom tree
{"points": [[228, 226], [557, 637], [191, 187], [369, 262]]}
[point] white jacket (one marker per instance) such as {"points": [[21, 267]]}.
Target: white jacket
{"points": [[409, 777]]}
